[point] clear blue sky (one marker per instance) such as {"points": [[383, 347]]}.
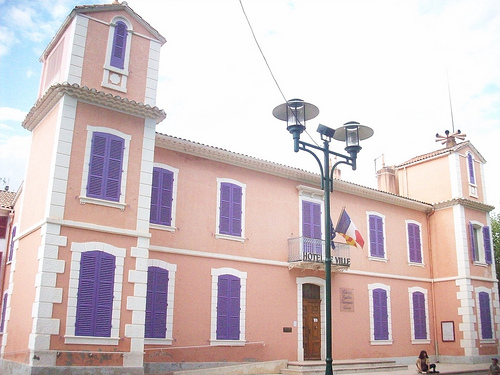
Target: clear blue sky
{"points": [[383, 63]]}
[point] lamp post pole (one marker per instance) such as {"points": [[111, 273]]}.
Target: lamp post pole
{"points": [[296, 112], [328, 257]]}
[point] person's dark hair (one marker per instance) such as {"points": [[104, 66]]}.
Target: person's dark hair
{"points": [[423, 354]]}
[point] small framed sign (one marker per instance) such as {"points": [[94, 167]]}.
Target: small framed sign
{"points": [[347, 299], [448, 331]]}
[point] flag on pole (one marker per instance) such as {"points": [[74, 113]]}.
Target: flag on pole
{"points": [[347, 229]]}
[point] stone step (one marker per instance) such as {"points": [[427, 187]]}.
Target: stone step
{"points": [[341, 367]]}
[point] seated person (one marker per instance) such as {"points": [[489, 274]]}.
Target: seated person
{"points": [[423, 364]]}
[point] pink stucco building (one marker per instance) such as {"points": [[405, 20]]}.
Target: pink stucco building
{"points": [[131, 249]]}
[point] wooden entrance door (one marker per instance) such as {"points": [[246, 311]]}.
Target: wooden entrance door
{"points": [[311, 319]]}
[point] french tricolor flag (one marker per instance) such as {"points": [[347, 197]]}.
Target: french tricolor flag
{"points": [[347, 229]]}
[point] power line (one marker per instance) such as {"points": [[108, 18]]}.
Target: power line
{"points": [[267, 64], [261, 52]]}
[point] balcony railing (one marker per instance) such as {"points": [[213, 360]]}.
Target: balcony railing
{"points": [[304, 252]]}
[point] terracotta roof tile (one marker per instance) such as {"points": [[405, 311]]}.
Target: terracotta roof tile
{"points": [[7, 199]]}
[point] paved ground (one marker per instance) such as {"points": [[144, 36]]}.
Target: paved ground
{"points": [[443, 368]]}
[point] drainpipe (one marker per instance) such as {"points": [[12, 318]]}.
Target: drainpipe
{"points": [[431, 265]]}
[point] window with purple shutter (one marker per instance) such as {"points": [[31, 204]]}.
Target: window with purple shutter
{"points": [[156, 303], [4, 310], [485, 314], [311, 226], [105, 170], [119, 45], [4, 220], [376, 236], [414, 244], [470, 165], [488, 256], [380, 315], [11, 247], [474, 248], [230, 211], [228, 307], [419, 318], [161, 196], [94, 306]]}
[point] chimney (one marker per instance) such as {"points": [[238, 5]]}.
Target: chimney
{"points": [[386, 179]]}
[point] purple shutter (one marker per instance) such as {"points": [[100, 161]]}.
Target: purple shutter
{"points": [[470, 163], [155, 196], [473, 242], [225, 209], [96, 168], [162, 196], [105, 170], [380, 316], [156, 303], [104, 300], [484, 310], [3, 226], [228, 307], [4, 310], [419, 319], [11, 247], [222, 310], [167, 183], [311, 226], [114, 175], [119, 44], [414, 243], [376, 236], [234, 308], [95, 294], [237, 209], [488, 256], [230, 209]]}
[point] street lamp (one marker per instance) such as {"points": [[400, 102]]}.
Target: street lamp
{"points": [[296, 112]]}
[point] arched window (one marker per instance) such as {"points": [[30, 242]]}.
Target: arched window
{"points": [[119, 45], [470, 167], [156, 303], [118, 54], [228, 307], [95, 294]]}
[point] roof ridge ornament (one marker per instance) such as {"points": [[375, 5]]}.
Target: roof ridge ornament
{"points": [[450, 139]]}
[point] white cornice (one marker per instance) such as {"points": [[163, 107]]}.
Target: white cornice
{"points": [[467, 203], [52, 96]]}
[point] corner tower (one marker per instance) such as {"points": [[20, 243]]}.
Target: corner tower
{"points": [[84, 221]]}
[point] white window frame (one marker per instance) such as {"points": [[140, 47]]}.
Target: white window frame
{"points": [[387, 288], [216, 272], [412, 317], [408, 243], [314, 196], [76, 254], [472, 186], [14, 241], [175, 171], [112, 73], [172, 269], [481, 255], [378, 259], [478, 314], [217, 220], [86, 165]]}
